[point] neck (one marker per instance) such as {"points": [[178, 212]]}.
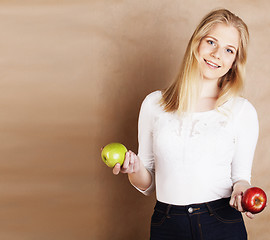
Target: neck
{"points": [[209, 89]]}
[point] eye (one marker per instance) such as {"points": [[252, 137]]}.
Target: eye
{"points": [[229, 50], [210, 42]]}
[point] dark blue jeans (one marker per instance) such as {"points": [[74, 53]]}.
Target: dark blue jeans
{"points": [[215, 220]]}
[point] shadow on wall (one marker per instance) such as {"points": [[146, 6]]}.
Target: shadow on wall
{"points": [[138, 59]]}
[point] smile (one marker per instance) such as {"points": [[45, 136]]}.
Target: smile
{"points": [[212, 64]]}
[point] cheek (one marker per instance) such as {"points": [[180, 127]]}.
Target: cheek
{"points": [[202, 49], [229, 61]]}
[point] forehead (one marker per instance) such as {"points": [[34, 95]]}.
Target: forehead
{"points": [[225, 34]]}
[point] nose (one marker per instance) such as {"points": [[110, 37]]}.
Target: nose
{"points": [[216, 53]]}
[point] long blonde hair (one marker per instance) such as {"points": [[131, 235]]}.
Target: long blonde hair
{"points": [[183, 93]]}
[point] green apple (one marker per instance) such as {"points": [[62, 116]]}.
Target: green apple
{"points": [[113, 153]]}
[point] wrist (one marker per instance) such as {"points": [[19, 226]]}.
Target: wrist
{"points": [[240, 187], [142, 178], [242, 183]]}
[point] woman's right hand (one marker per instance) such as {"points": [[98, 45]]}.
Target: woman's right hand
{"points": [[131, 164]]}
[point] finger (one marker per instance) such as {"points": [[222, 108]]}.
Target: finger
{"points": [[235, 203], [101, 148], [232, 200], [126, 162], [131, 163], [239, 204], [136, 163], [116, 168], [132, 158], [250, 215]]}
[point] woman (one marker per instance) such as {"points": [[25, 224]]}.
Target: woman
{"points": [[197, 138]]}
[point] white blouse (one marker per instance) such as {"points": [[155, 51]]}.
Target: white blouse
{"points": [[196, 158]]}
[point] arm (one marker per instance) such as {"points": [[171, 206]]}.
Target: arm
{"points": [[141, 168], [247, 130]]}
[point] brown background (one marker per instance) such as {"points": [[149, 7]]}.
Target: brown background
{"points": [[72, 77]]}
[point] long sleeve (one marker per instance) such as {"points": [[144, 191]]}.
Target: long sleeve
{"points": [[145, 139], [247, 131]]}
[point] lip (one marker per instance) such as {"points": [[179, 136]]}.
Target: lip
{"points": [[211, 64]]}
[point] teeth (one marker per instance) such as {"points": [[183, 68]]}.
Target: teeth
{"points": [[212, 64]]}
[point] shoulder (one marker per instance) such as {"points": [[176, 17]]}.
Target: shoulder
{"points": [[153, 98], [151, 104], [240, 105], [243, 110]]}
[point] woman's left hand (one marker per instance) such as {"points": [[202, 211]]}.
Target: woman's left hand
{"points": [[238, 189]]}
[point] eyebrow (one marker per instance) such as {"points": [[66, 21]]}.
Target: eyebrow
{"points": [[217, 41]]}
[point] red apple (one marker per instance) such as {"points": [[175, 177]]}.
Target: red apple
{"points": [[113, 153], [254, 200]]}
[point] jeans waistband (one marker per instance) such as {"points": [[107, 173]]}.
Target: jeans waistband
{"points": [[192, 208]]}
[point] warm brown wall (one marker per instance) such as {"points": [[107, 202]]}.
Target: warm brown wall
{"points": [[72, 77]]}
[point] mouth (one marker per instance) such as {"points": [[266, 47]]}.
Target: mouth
{"points": [[211, 64]]}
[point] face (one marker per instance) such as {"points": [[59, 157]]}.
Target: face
{"points": [[217, 51]]}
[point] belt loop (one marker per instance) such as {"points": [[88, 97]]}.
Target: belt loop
{"points": [[168, 210], [209, 209]]}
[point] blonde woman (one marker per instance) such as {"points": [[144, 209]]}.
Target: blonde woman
{"points": [[197, 138]]}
